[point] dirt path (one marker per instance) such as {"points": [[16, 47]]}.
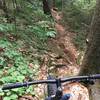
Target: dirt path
{"points": [[63, 46], [62, 61]]}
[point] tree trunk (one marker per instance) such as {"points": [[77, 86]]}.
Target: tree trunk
{"points": [[46, 7], [91, 61], [3, 6], [52, 3]]}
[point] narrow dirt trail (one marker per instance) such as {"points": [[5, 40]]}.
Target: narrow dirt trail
{"points": [[62, 58], [63, 43]]}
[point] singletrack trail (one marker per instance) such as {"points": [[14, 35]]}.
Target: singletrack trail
{"points": [[63, 58], [61, 61]]}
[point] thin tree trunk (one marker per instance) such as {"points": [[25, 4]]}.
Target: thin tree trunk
{"points": [[3, 6], [91, 61], [52, 3], [5, 9], [46, 7]]}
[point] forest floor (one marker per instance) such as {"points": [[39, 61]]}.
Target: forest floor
{"points": [[61, 61]]}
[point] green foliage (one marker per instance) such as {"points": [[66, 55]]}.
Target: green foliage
{"points": [[26, 29], [28, 21], [25, 33], [78, 15], [6, 27], [79, 12], [14, 67], [80, 40], [41, 32]]}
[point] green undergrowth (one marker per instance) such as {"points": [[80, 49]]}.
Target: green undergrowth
{"points": [[22, 43], [78, 15], [17, 60], [15, 67], [80, 40]]}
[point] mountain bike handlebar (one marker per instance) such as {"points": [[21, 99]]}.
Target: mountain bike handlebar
{"points": [[62, 80]]}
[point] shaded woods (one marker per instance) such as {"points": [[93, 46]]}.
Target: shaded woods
{"points": [[92, 56], [48, 36]]}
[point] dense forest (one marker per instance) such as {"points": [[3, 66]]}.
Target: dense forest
{"points": [[41, 37]]}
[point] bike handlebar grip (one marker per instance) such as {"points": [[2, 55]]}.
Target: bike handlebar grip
{"points": [[12, 86], [96, 76]]}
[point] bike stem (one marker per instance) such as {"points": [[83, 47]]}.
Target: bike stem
{"points": [[59, 92]]}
